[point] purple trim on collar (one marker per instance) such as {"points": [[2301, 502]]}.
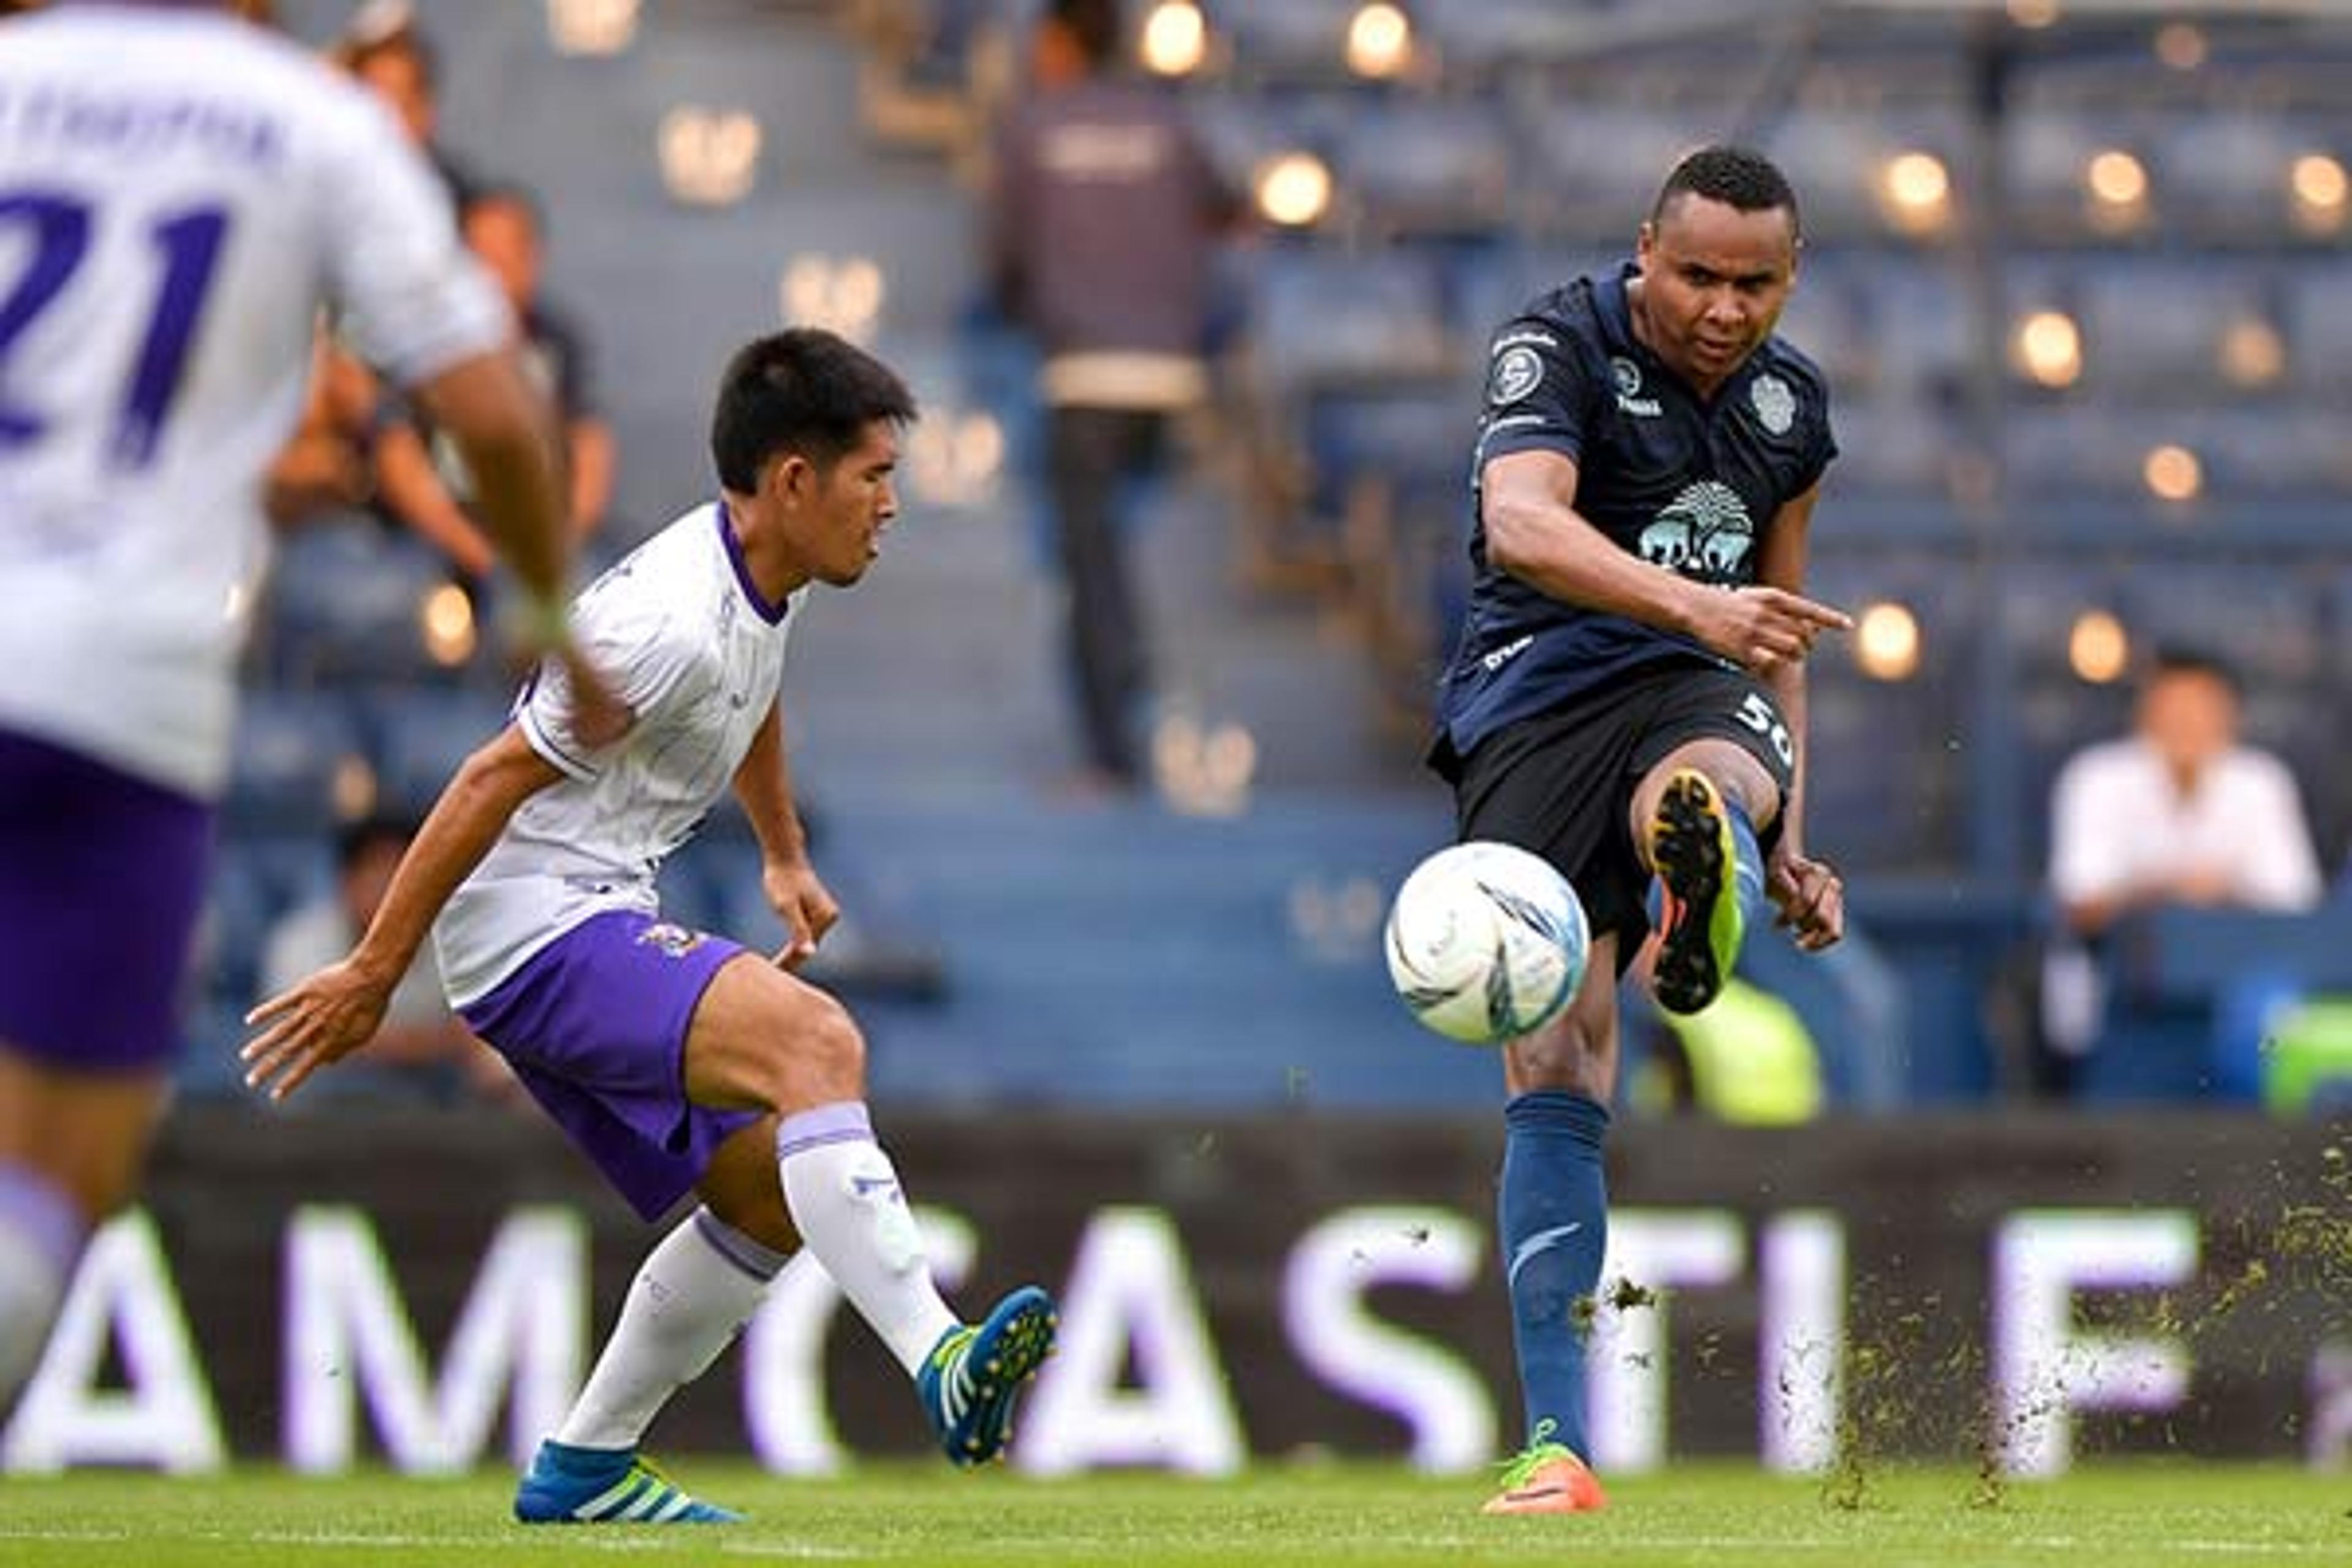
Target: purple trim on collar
{"points": [[772, 613]]}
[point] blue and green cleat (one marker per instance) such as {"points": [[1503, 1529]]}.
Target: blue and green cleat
{"points": [[569, 1485], [1696, 857], [970, 1378]]}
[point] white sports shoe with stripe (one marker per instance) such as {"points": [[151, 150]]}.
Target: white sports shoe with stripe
{"points": [[568, 1485]]}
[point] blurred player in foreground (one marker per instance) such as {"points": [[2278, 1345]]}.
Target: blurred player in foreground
{"points": [[675, 1060], [1628, 697], [180, 193]]}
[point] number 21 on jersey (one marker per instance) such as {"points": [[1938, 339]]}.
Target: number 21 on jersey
{"points": [[52, 229]]}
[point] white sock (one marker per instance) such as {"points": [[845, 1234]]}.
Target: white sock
{"points": [[845, 1199], [41, 1238], [694, 1292]]}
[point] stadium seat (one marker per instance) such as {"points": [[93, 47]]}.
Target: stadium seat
{"points": [[2155, 329], [1321, 317], [1420, 167], [289, 750], [419, 738], [2319, 327], [344, 604]]}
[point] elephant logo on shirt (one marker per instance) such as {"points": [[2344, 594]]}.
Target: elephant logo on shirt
{"points": [[1704, 534]]}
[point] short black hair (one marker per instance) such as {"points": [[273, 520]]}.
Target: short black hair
{"points": [[1094, 25], [2183, 658], [1740, 177], [503, 193], [355, 838], [803, 390]]}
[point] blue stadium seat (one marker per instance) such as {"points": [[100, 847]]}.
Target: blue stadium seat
{"points": [[345, 601], [1284, 37], [1321, 316], [2154, 328], [2319, 327], [1429, 167], [2223, 173], [1598, 166], [290, 746], [420, 736]]}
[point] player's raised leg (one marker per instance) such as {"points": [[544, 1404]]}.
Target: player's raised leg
{"points": [[1552, 1214], [1698, 834], [763, 1036]]}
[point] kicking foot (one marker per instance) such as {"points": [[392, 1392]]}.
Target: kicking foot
{"points": [[1547, 1478], [969, 1380], [1692, 848], [568, 1485]]}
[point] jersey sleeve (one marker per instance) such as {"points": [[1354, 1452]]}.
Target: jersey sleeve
{"points": [[1538, 395], [639, 651], [414, 301], [1821, 447]]}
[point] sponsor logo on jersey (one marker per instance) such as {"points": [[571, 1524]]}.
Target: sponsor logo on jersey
{"points": [[1628, 377], [1704, 534]]}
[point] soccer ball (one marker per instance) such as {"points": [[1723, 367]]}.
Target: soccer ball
{"points": [[1485, 942]]}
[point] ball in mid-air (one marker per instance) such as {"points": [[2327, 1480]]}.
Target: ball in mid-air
{"points": [[1485, 942]]}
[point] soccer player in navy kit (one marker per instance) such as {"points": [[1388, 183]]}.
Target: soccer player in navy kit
{"points": [[1627, 699]]}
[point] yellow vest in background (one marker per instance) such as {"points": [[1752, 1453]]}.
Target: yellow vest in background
{"points": [[1751, 1059]]}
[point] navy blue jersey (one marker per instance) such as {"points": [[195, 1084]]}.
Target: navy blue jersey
{"points": [[1689, 484]]}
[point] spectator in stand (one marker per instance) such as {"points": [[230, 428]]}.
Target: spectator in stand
{"points": [[1104, 215], [2178, 812], [424, 1051]]}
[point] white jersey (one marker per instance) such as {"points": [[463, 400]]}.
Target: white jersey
{"points": [[679, 629], [179, 194]]}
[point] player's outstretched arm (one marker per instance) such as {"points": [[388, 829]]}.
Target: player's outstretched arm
{"points": [[325, 1016]]}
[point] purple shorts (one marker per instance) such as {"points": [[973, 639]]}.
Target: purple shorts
{"points": [[102, 878], [594, 1026]]}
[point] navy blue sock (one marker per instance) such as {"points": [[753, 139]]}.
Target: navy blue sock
{"points": [[1552, 1210]]}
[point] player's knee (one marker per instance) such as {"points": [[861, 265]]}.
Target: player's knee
{"points": [[830, 1048]]}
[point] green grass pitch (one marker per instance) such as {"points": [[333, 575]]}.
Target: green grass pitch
{"points": [[2141, 1515]]}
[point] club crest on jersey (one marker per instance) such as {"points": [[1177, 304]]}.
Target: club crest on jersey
{"points": [[1517, 372], [1776, 405], [672, 939]]}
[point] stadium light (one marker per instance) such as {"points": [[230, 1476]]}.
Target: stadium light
{"points": [[2098, 649], [354, 787], [1886, 641], [1294, 189], [842, 294], [1915, 192], [2252, 354], [2173, 473], [709, 157], [591, 26], [2116, 184], [1379, 41], [1175, 39], [444, 618], [2048, 348], [2319, 186], [2034, 13], [2181, 45]]}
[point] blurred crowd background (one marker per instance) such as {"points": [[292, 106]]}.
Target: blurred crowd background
{"points": [[2077, 272]]}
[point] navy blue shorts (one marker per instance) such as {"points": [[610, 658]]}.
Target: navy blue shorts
{"points": [[1562, 784], [101, 879]]}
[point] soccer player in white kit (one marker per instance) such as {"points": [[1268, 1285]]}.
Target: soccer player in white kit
{"points": [[675, 1060], [180, 195]]}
